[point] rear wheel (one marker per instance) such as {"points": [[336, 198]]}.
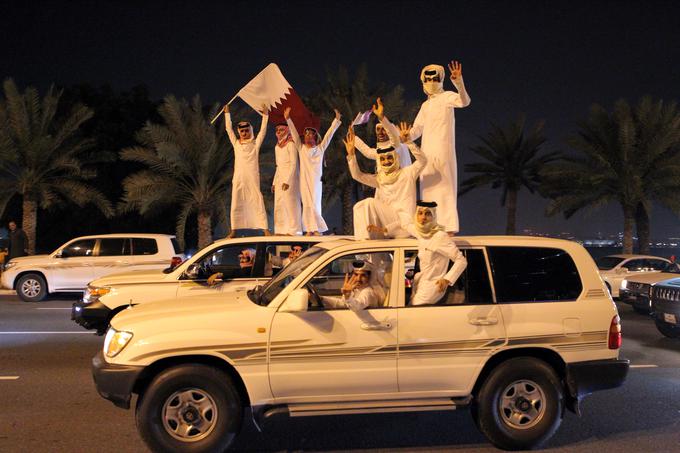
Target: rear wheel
{"points": [[31, 288], [520, 404], [189, 408], [668, 330]]}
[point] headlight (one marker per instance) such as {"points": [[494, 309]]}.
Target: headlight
{"points": [[115, 341], [93, 293], [624, 284], [10, 264]]}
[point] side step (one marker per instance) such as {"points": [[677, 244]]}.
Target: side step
{"points": [[263, 413]]}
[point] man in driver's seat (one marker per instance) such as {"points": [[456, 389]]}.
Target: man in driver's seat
{"points": [[360, 290], [246, 261]]}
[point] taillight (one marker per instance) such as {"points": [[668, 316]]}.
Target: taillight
{"points": [[615, 333], [175, 261]]}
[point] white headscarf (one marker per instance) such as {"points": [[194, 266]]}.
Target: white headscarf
{"points": [[388, 174], [430, 228], [252, 132], [432, 88]]}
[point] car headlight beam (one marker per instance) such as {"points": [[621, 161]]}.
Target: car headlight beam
{"points": [[115, 341]]}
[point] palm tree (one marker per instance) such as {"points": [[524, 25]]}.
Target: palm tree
{"points": [[351, 95], [512, 161], [628, 157], [189, 165], [43, 159]]}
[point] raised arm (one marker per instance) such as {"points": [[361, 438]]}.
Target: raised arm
{"points": [[392, 131], [421, 160], [263, 128], [228, 126], [463, 99], [354, 170], [330, 132], [291, 127], [367, 151], [417, 129]]}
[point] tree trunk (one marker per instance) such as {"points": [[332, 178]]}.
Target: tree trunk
{"points": [[204, 229], [347, 208], [511, 203], [642, 226], [29, 222], [628, 221]]}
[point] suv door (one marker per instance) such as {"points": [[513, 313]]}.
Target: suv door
{"points": [[337, 353], [443, 346], [73, 266]]}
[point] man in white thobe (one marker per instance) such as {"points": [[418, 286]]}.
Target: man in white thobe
{"points": [[311, 170], [392, 208], [359, 291], [247, 203], [386, 135], [435, 250], [286, 184], [435, 122]]}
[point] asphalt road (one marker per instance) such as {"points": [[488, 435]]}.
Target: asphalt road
{"points": [[48, 402]]}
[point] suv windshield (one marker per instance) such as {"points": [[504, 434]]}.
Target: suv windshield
{"points": [[265, 294], [607, 262]]}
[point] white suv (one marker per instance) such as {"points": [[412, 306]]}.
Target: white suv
{"points": [[70, 267], [527, 331], [107, 296]]}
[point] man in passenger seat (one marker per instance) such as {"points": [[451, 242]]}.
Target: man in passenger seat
{"points": [[360, 290], [246, 261]]}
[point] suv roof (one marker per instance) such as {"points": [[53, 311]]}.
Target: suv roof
{"points": [[125, 235]]}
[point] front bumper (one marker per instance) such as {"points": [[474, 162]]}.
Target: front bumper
{"points": [[114, 382], [94, 315], [584, 378], [662, 307]]}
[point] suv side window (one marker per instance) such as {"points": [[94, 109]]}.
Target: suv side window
{"points": [[84, 247], [534, 274], [656, 265], [327, 283], [635, 265], [144, 246], [113, 247], [472, 287], [233, 261]]}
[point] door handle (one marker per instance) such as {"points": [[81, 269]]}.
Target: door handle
{"points": [[483, 321], [376, 326]]}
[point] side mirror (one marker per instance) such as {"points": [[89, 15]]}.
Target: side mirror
{"points": [[193, 271], [296, 302]]}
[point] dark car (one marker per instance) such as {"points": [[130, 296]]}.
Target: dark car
{"points": [[666, 307]]}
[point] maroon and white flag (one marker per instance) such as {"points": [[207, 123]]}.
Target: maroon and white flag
{"points": [[270, 88], [362, 118]]}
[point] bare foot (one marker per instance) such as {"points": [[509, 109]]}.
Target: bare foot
{"points": [[451, 233], [232, 234], [267, 233]]}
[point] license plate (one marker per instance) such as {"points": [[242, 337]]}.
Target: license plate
{"points": [[670, 318]]}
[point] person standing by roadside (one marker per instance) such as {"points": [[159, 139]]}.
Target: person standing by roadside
{"points": [[18, 242]]}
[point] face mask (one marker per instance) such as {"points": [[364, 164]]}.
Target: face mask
{"points": [[432, 87]]}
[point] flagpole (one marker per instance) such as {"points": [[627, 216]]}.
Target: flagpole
{"points": [[219, 113]]}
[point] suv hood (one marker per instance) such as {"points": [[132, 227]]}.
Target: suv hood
{"points": [[142, 276], [652, 277], [194, 310], [24, 260]]}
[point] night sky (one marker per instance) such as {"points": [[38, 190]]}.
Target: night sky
{"points": [[550, 60]]}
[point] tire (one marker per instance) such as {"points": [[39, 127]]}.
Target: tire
{"points": [[31, 287], [520, 404], [179, 394], [667, 330]]}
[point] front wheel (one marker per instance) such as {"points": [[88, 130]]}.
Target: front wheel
{"points": [[519, 405], [189, 408], [667, 330], [31, 288]]}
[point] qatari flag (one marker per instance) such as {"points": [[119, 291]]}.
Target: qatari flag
{"points": [[271, 88], [362, 118]]}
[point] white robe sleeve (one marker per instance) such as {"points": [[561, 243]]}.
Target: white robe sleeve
{"points": [[263, 131], [358, 175], [447, 247], [229, 128], [367, 151], [417, 128], [463, 98], [329, 135], [294, 133], [392, 132], [421, 161]]}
